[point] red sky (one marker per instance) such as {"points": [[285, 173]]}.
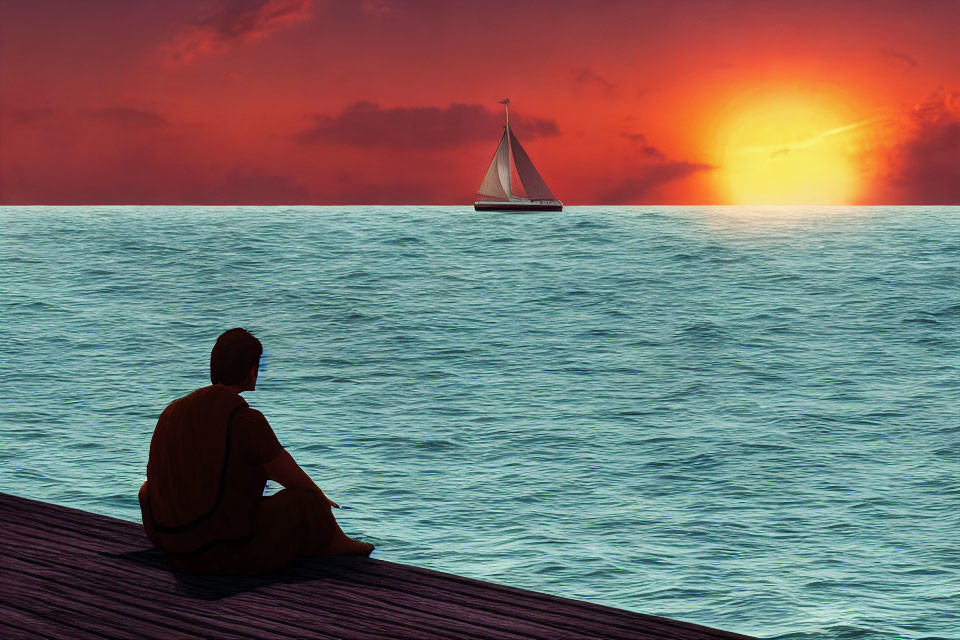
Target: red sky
{"points": [[385, 101]]}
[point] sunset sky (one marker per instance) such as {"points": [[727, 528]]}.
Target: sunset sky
{"points": [[390, 101]]}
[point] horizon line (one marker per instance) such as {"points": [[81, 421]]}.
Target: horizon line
{"points": [[470, 205]]}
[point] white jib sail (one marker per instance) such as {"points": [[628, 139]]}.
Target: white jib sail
{"points": [[533, 184], [496, 184]]}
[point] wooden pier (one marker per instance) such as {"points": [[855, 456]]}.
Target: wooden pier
{"points": [[66, 573]]}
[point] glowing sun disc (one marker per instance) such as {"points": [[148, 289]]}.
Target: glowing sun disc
{"points": [[789, 150]]}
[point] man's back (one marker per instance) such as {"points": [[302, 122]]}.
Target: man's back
{"points": [[205, 473]]}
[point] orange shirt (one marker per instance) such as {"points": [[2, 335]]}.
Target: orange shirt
{"points": [[205, 473]]}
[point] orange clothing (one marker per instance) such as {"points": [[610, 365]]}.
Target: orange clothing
{"points": [[205, 475], [286, 525]]}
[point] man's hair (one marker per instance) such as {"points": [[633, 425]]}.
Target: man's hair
{"points": [[235, 353]]}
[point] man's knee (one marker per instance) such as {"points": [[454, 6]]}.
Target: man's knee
{"points": [[303, 509]]}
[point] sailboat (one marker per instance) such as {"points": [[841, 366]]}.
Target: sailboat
{"points": [[500, 192]]}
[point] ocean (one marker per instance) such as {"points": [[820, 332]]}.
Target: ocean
{"points": [[747, 418]]}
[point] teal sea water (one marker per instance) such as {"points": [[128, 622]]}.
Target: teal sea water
{"points": [[744, 418]]}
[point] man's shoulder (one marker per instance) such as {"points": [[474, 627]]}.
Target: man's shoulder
{"points": [[248, 411], [205, 399], [249, 415], [252, 428]]}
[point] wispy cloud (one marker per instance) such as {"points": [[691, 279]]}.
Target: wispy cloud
{"points": [[589, 79], [235, 22], [781, 150], [648, 177], [646, 149], [899, 56], [26, 116], [653, 170], [366, 124]]}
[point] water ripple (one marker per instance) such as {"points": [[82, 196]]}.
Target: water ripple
{"points": [[745, 423]]}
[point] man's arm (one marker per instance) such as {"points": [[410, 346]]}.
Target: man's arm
{"points": [[285, 470]]}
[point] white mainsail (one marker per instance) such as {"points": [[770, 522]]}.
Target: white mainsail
{"points": [[496, 184]]}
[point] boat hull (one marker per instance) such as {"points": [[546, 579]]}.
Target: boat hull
{"points": [[491, 205]]}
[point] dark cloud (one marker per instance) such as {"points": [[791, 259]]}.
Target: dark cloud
{"points": [[899, 56], [649, 177], [234, 22], [125, 116], [26, 116], [589, 79], [924, 168], [647, 150], [653, 152], [366, 124]]}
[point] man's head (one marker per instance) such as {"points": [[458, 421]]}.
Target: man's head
{"points": [[234, 358]]}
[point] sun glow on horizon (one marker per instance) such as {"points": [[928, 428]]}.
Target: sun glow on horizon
{"points": [[789, 150]]}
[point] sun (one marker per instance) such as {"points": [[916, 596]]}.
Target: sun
{"points": [[789, 149]]}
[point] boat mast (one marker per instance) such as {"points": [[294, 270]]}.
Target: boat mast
{"points": [[506, 108]]}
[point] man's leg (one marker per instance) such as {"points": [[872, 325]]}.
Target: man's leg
{"points": [[288, 524], [321, 533]]}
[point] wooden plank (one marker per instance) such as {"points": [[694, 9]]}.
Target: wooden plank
{"points": [[76, 611], [595, 614], [30, 572], [630, 632], [578, 603], [257, 611], [610, 622], [488, 619], [348, 617], [372, 574], [118, 530], [572, 618], [368, 617], [15, 506], [80, 558], [15, 623], [362, 603], [358, 599]]}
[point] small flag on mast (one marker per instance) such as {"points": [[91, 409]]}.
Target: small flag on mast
{"points": [[506, 108]]}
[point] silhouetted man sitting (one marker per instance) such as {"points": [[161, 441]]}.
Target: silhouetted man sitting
{"points": [[210, 458]]}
